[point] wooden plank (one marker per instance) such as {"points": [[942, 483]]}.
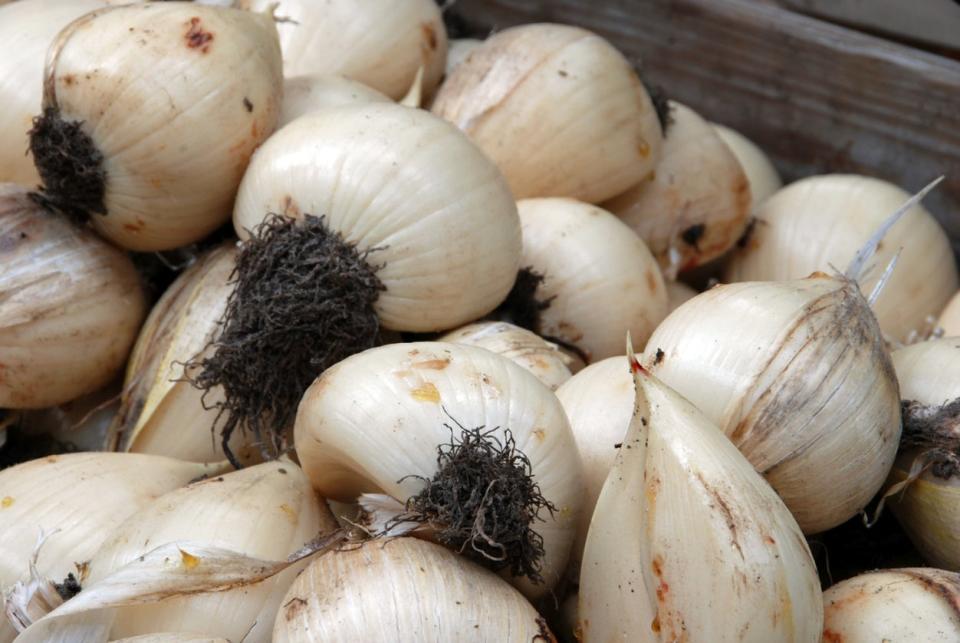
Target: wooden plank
{"points": [[817, 97], [931, 21]]}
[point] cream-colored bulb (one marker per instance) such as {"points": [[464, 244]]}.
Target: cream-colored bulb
{"points": [[696, 204], [525, 348], [687, 541], [313, 92], [599, 278], [374, 422], [798, 376], [917, 604], [204, 84], [403, 589], [761, 174], [558, 109], [71, 306], [598, 401], [433, 214], [823, 220], [380, 43]]}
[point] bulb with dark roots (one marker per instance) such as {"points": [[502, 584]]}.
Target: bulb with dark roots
{"points": [[70, 165], [483, 502], [303, 300], [935, 431], [523, 308]]}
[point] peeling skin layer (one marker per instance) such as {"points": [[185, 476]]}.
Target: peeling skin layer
{"points": [[70, 165], [935, 430]]}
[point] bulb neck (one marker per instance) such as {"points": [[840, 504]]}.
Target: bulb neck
{"points": [[933, 430]]}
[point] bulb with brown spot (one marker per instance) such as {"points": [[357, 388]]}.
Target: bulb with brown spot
{"points": [[167, 177], [919, 604], [479, 397]]}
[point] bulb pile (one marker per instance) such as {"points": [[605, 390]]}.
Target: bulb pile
{"points": [[348, 307]]}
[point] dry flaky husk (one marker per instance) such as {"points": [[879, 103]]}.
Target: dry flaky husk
{"points": [[404, 589], [913, 604], [77, 501], [161, 412], [926, 495], [71, 306], [193, 547], [798, 376]]}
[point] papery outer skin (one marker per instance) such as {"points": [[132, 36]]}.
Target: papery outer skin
{"points": [[798, 376], [311, 93], [698, 181], [380, 43], [558, 109], [599, 277], [266, 511], [27, 28], [403, 589], [161, 412], [689, 543], [171, 637], [171, 172], [678, 293], [913, 604], [523, 347], [399, 397], [71, 306], [950, 317], [823, 220], [598, 402], [761, 174], [83, 495], [457, 51], [929, 508], [434, 212]]}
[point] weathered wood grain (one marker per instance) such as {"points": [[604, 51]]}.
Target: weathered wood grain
{"points": [[817, 97]]}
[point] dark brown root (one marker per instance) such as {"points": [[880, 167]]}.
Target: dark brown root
{"points": [[483, 502], [71, 166], [935, 431], [522, 308], [661, 103], [303, 300], [69, 588]]}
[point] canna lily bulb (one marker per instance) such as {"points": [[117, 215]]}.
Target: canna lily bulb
{"points": [[688, 542]]}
